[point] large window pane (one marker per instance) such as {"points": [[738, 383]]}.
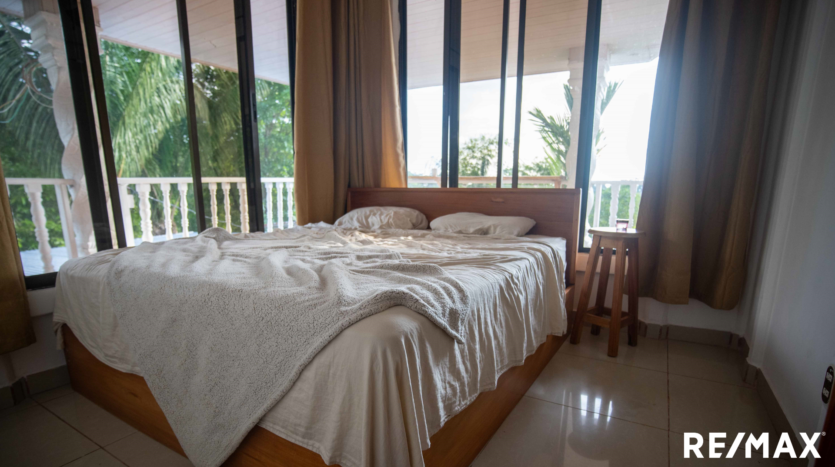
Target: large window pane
{"points": [[38, 143], [554, 43], [480, 96], [275, 125], [630, 39], [147, 112], [218, 106], [425, 52]]}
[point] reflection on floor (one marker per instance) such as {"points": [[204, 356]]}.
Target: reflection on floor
{"points": [[586, 409]]}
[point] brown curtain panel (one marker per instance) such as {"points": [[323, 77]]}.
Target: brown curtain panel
{"points": [[15, 322], [347, 117], [705, 147]]}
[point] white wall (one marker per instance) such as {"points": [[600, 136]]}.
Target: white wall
{"points": [[43, 354], [792, 331]]}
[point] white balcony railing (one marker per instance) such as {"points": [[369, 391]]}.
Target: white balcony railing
{"points": [[278, 194], [596, 189], [34, 192], [278, 190]]}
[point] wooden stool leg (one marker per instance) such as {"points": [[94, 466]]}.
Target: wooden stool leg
{"points": [[617, 299], [602, 284], [588, 277], [633, 292]]}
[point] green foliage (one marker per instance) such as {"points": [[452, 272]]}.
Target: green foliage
{"points": [[477, 155], [29, 141], [557, 139], [555, 135]]}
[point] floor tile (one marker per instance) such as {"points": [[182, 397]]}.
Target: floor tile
{"points": [[53, 394], [100, 458], [704, 406], [650, 353], [26, 404], [34, 437], [539, 433], [139, 450], [738, 460], [629, 393], [90, 419], [720, 364]]}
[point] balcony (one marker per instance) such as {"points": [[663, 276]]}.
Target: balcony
{"points": [[278, 200], [224, 192]]}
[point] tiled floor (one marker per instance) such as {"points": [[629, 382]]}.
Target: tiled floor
{"points": [[586, 409]]}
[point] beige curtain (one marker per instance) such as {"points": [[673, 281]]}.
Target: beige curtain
{"points": [[705, 149], [347, 117], [15, 322]]}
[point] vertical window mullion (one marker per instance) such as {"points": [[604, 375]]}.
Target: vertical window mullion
{"points": [[249, 115], [505, 33], [452, 85], [291, 55], [194, 147], [520, 71], [78, 57], [446, 95], [587, 105], [402, 78]]}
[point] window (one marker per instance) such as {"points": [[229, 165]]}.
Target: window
{"points": [[518, 68], [148, 117], [275, 123], [630, 40], [425, 72], [39, 145], [159, 94]]}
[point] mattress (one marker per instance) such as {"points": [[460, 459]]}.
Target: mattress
{"points": [[379, 390]]}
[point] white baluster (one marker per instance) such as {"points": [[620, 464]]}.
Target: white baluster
{"points": [[65, 212], [280, 204], [213, 197], [268, 188], [35, 194], [145, 223], [128, 203], [633, 192], [291, 212], [227, 210], [598, 195], [183, 188], [613, 205], [244, 204], [166, 210]]}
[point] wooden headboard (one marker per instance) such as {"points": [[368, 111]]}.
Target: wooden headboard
{"points": [[556, 211]]}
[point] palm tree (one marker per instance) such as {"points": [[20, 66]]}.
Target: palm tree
{"points": [[26, 118], [555, 134]]}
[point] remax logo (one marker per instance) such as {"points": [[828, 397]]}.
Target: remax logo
{"points": [[754, 446]]}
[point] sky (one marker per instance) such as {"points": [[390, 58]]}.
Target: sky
{"points": [[625, 122]]}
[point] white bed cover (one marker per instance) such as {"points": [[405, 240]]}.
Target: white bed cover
{"points": [[380, 389]]}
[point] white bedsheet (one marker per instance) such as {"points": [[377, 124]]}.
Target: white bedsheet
{"points": [[380, 389]]}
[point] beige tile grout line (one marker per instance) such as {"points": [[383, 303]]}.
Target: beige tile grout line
{"points": [[100, 447]]}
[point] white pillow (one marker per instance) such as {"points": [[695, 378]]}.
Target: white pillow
{"points": [[383, 217], [480, 224]]}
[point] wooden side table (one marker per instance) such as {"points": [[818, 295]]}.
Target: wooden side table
{"points": [[622, 245]]}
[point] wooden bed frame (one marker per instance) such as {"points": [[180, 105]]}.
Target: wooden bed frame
{"points": [[458, 442]]}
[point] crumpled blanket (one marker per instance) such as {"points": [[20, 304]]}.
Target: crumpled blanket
{"points": [[223, 325]]}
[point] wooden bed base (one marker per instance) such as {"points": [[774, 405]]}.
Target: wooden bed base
{"points": [[458, 442]]}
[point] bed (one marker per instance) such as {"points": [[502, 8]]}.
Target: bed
{"points": [[460, 427]]}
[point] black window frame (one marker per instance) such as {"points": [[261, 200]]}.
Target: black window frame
{"points": [[90, 106], [451, 92]]}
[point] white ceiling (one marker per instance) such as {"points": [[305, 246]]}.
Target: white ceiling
{"points": [[630, 28]]}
